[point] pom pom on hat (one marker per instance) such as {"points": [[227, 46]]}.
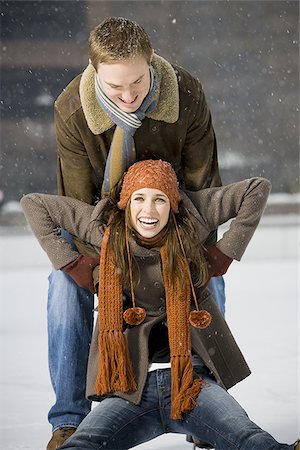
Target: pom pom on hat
{"points": [[153, 174]]}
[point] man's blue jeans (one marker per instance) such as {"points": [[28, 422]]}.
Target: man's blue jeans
{"points": [[217, 287], [218, 419], [70, 325]]}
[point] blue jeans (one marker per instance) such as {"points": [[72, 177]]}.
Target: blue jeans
{"points": [[218, 419], [70, 325], [216, 286]]}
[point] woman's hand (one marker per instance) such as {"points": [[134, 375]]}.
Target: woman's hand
{"points": [[217, 262], [81, 270]]}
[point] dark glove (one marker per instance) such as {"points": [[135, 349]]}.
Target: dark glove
{"points": [[81, 270], [218, 262]]}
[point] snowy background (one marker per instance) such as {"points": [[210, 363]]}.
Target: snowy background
{"points": [[246, 54], [262, 293]]}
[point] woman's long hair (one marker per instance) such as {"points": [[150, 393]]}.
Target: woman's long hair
{"points": [[194, 251]]}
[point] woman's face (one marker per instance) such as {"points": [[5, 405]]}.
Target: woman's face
{"points": [[149, 211]]}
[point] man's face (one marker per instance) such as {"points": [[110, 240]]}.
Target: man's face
{"points": [[125, 82]]}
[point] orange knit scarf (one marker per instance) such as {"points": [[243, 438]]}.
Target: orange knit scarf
{"points": [[115, 371]]}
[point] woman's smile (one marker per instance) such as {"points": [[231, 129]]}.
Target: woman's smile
{"points": [[148, 223], [149, 210]]}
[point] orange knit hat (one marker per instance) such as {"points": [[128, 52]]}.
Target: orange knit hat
{"points": [[153, 174]]}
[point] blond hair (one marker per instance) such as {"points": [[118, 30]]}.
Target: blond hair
{"points": [[117, 39]]}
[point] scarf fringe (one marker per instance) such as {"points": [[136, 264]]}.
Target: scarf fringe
{"points": [[185, 389], [115, 371]]}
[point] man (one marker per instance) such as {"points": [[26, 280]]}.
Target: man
{"points": [[129, 104]]}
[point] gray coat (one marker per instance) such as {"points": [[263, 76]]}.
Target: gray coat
{"points": [[244, 201]]}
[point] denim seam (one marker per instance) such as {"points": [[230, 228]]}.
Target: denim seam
{"points": [[161, 408], [130, 421], [216, 431]]}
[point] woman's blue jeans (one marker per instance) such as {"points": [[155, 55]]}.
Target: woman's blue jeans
{"points": [[70, 325], [218, 419]]}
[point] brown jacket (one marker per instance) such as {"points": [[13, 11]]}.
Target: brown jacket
{"points": [[179, 130], [244, 201]]}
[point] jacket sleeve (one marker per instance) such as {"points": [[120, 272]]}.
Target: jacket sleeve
{"points": [[75, 175], [243, 201], [75, 172], [47, 214], [199, 156]]}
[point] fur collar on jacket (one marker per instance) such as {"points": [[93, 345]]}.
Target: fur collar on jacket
{"points": [[167, 109]]}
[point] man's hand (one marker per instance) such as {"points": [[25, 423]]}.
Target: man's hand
{"points": [[81, 270]]}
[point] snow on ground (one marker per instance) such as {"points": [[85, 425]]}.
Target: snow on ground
{"points": [[261, 311]]}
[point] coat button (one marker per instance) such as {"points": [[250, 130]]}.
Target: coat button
{"points": [[162, 308], [157, 284]]}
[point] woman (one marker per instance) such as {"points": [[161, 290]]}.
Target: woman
{"points": [[162, 356]]}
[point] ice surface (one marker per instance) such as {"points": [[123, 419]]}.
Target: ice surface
{"points": [[261, 311]]}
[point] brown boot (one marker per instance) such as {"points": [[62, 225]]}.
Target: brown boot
{"points": [[59, 437]]}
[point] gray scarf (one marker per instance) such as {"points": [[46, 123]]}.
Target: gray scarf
{"points": [[122, 152]]}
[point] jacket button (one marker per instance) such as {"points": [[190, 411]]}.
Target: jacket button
{"points": [[157, 284], [161, 309]]}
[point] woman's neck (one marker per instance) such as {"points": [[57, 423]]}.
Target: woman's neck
{"points": [[156, 241]]}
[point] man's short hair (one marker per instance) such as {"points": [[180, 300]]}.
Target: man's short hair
{"points": [[117, 39]]}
